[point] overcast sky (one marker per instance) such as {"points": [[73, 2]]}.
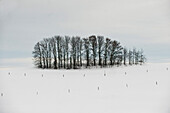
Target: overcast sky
{"points": [[135, 23]]}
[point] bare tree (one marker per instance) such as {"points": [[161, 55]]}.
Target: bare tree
{"points": [[100, 40], [106, 50], [142, 58], [137, 57], [50, 51], [70, 62], [43, 58], [77, 50], [58, 40], [37, 55], [44, 46], [80, 52], [67, 40], [64, 51], [73, 51], [134, 52], [53, 48], [130, 56], [46, 41], [125, 54], [116, 51], [87, 50], [93, 43]]}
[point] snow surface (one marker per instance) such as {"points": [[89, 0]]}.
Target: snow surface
{"points": [[131, 89]]}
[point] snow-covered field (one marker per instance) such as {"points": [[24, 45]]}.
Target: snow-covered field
{"points": [[131, 89]]}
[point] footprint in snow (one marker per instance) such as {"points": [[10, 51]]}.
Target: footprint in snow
{"points": [[156, 83], [69, 90], [104, 73], [127, 85]]}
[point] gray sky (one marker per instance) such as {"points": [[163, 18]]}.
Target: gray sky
{"points": [[135, 23]]}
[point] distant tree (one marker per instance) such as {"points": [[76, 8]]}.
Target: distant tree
{"points": [[50, 51], [136, 57], [119, 59], [130, 56], [37, 55], [67, 40], [45, 52], [77, 44], [106, 50], [58, 40], [141, 57], [87, 50], [64, 51], [93, 45], [80, 52], [70, 62], [112, 51], [125, 54], [73, 51], [53, 47], [115, 52], [43, 56], [134, 52], [100, 40]]}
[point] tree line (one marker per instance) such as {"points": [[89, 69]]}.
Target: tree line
{"points": [[75, 52]]}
